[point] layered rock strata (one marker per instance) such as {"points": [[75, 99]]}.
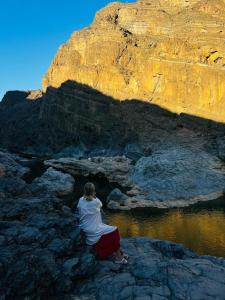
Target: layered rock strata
{"points": [[170, 53]]}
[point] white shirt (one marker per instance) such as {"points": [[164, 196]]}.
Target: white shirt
{"points": [[91, 220]]}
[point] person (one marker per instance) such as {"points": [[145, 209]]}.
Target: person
{"points": [[104, 239]]}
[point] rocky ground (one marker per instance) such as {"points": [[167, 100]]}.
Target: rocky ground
{"points": [[42, 254], [157, 270], [40, 241]]}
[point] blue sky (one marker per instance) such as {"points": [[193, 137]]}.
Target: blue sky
{"points": [[31, 32]]}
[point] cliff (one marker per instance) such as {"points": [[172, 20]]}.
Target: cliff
{"points": [[170, 53]]}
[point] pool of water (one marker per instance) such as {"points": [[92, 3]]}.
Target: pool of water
{"points": [[200, 227]]}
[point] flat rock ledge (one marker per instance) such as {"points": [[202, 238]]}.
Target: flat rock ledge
{"points": [[157, 270], [174, 175]]}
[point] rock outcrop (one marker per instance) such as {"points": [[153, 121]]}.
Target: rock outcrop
{"points": [[41, 250], [55, 182], [163, 55], [179, 171], [157, 270], [115, 169], [42, 255], [166, 52]]}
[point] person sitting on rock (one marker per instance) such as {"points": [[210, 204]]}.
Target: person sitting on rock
{"points": [[104, 239]]}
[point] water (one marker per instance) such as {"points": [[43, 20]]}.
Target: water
{"points": [[200, 227]]}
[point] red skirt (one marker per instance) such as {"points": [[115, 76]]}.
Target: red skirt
{"points": [[107, 244]]}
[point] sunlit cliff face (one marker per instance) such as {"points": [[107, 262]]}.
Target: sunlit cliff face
{"points": [[171, 53]]}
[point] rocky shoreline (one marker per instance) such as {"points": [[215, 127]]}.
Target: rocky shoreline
{"points": [[43, 256], [178, 173]]}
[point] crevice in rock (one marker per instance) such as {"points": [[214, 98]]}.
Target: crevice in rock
{"points": [[37, 169], [102, 185]]}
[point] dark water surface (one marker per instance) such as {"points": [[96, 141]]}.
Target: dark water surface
{"points": [[200, 227]]}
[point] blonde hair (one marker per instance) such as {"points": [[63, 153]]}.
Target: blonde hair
{"points": [[89, 190]]}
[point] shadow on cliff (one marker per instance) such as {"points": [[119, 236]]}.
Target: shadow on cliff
{"points": [[77, 115]]}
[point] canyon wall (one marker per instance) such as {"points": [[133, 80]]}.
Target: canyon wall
{"points": [[170, 53]]}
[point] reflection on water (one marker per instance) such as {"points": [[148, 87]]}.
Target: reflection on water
{"points": [[201, 227]]}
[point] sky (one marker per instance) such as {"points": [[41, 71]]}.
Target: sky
{"points": [[31, 32]]}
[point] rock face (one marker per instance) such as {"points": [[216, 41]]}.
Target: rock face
{"points": [[157, 270], [163, 55], [170, 53], [178, 173]]}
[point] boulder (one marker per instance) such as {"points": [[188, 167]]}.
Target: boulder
{"points": [[179, 174], [55, 182], [11, 177], [117, 200]]}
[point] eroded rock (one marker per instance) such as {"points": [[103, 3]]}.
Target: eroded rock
{"points": [[157, 270], [38, 235], [55, 182], [177, 45], [115, 169]]}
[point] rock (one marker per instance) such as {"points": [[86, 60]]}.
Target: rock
{"points": [[116, 200], [115, 169], [70, 151], [124, 42], [42, 256], [156, 270], [134, 152], [55, 182], [38, 235], [11, 174], [69, 265], [117, 195], [180, 174], [127, 40], [221, 147]]}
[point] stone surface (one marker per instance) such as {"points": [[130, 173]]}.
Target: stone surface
{"points": [[115, 169], [11, 177], [179, 171], [116, 200], [157, 270], [178, 46], [170, 53], [39, 239], [55, 182], [42, 255]]}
